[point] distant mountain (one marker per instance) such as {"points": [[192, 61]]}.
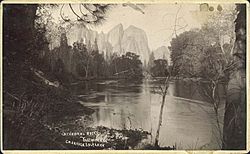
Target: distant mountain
{"points": [[81, 33], [135, 40], [132, 39], [162, 53], [88, 36], [114, 37]]}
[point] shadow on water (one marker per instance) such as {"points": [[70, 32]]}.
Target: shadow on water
{"points": [[188, 119]]}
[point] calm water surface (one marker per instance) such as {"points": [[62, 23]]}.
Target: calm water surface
{"points": [[188, 118]]}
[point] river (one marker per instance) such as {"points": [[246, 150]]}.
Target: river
{"points": [[188, 120]]}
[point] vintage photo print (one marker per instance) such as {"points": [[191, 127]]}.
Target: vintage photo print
{"points": [[124, 76]]}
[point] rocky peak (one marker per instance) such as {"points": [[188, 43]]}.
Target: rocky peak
{"points": [[162, 53], [135, 40]]}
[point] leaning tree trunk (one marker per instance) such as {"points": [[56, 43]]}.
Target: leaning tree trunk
{"points": [[160, 121], [234, 132]]}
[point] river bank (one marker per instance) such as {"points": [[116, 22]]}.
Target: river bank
{"points": [[42, 111], [129, 107]]}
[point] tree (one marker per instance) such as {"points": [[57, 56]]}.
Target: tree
{"points": [[163, 89], [173, 71], [82, 58], [203, 53], [215, 70], [234, 132], [220, 26], [160, 68], [128, 65], [18, 52], [98, 61], [187, 48], [201, 56], [19, 55], [151, 60], [24, 30]]}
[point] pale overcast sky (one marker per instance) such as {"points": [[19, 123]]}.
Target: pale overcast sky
{"points": [[157, 21]]}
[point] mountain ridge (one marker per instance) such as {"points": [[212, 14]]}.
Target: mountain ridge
{"points": [[116, 40]]}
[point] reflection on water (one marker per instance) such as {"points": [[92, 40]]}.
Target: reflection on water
{"points": [[188, 120]]}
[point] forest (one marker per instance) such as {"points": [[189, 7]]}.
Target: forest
{"points": [[85, 62]]}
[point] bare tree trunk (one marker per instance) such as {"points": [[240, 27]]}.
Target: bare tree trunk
{"points": [[115, 68], [218, 126], [216, 103], [87, 69], [160, 121], [86, 72], [164, 93]]}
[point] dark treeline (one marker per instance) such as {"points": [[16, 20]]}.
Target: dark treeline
{"points": [[30, 94], [196, 54], [158, 67], [34, 77], [84, 61]]}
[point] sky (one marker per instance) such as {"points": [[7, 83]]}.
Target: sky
{"points": [[157, 21]]}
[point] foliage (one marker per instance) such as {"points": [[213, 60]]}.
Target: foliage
{"points": [[196, 55], [27, 108], [234, 130], [206, 54], [128, 65], [85, 61], [186, 52], [220, 27], [160, 68], [28, 101]]}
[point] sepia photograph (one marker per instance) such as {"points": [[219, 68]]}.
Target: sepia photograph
{"points": [[124, 76]]}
